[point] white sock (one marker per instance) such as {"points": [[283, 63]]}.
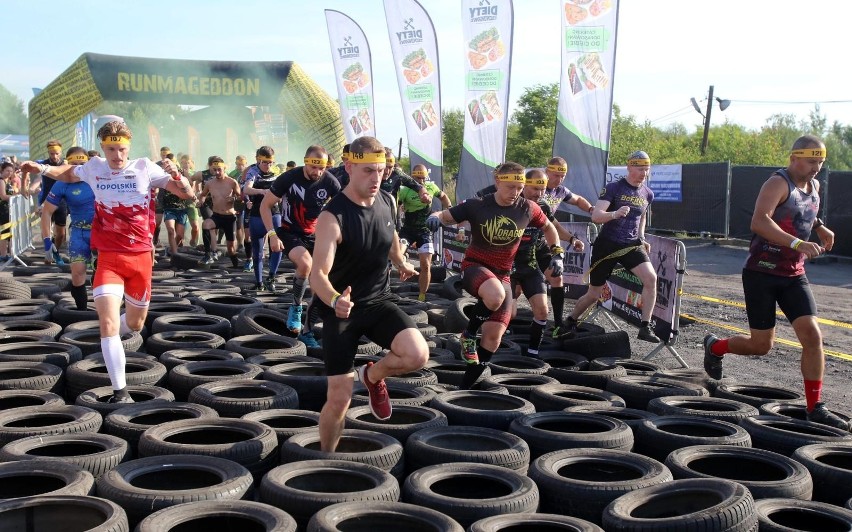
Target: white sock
{"points": [[123, 328], [114, 359]]}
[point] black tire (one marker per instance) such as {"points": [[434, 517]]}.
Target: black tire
{"points": [[30, 376], [582, 482], [176, 357], [594, 345], [518, 384], [381, 516], [404, 421], [22, 398], [436, 316], [19, 423], [43, 477], [552, 431], [92, 373], [694, 375], [248, 443], [57, 353], [710, 407], [481, 409], [211, 515], [192, 322], [451, 287], [400, 395], [764, 473], [414, 379], [286, 422], [155, 310], [455, 320], [450, 489], [518, 364], [273, 359], [226, 305], [588, 378], [23, 337], [631, 416], [830, 465], [637, 390], [147, 485], [307, 378], [65, 313], [793, 411], [536, 521], [260, 320], [451, 371], [632, 365], [24, 312], [235, 398], [62, 512], [441, 445], [757, 394], [98, 398], [714, 505], [130, 421], [783, 435], [95, 453], [40, 327], [660, 436], [89, 341], [364, 446], [159, 343], [10, 288], [556, 397], [184, 377], [261, 344], [785, 515], [303, 488]]}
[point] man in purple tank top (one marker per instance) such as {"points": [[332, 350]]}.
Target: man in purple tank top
{"points": [[774, 273]]}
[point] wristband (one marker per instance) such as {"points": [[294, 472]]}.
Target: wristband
{"points": [[334, 299], [556, 249], [44, 168], [571, 240], [795, 244], [591, 209], [271, 232]]}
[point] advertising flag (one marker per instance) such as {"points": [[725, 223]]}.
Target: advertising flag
{"points": [[353, 73], [585, 92], [415, 57], [487, 31]]}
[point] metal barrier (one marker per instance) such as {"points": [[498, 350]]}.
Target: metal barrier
{"points": [[22, 219]]}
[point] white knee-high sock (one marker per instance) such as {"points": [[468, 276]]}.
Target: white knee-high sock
{"points": [[123, 328], [114, 359]]}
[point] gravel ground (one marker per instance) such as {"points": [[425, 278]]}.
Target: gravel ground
{"points": [[714, 271]]}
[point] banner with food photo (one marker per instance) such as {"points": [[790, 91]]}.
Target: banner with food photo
{"points": [[415, 56], [589, 30], [487, 37], [353, 73]]}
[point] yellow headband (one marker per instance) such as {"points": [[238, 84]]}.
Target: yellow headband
{"points": [[420, 173], [316, 161], [77, 157], [390, 160], [536, 181], [218, 165], [240, 159], [115, 140], [163, 153], [262, 159], [557, 168], [809, 152], [512, 178], [54, 149], [638, 162], [367, 158]]}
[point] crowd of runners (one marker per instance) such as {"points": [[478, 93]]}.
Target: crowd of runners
{"points": [[346, 229]]}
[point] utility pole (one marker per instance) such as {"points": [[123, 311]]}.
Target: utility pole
{"points": [[707, 121]]}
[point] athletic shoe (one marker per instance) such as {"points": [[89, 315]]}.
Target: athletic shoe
{"points": [[121, 400], [567, 330], [421, 297], [249, 266], [308, 339], [216, 255], [58, 259], [269, 284], [712, 362], [468, 351], [647, 333], [822, 415], [258, 287], [294, 318], [557, 332], [380, 403], [235, 261]]}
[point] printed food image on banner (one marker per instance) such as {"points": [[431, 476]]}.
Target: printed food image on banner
{"points": [[425, 117], [587, 74], [355, 78], [485, 109], [485, 48], [417, 66], [577, 11]]}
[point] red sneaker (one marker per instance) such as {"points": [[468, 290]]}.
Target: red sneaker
{"points": [[380, 403]]}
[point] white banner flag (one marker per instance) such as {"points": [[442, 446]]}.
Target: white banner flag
{"points": [[487, 29], [353, 73], [415, 56]]}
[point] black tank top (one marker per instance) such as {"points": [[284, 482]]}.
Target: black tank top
{"points": [[361, 260]]}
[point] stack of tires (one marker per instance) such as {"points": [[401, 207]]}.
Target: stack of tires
{"points": [[224, 433]]}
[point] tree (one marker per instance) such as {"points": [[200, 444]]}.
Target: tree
{"points": [[536, 112], [453, 139], [13, 118]]}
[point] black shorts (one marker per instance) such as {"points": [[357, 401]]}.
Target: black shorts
{"points": [[762, 291], [420, 237], [60, 215], [206, 212], [531, 281], [225, 222], [380, 321], [291, 241], [603, 248]]}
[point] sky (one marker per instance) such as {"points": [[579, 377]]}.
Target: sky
{"points": [[757, 53]]}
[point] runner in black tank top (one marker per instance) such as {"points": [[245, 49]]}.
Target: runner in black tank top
{"points": [[355, 237]]}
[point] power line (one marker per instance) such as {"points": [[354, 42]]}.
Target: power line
{"points": [[672, 113], [777, 102]]}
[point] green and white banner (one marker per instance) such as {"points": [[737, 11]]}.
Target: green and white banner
{"points": [[353, 73], [487, 31], [585, 92], [415, 57]]}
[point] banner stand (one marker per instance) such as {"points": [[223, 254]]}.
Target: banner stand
{"points": [[21, 229], [674, 301]]}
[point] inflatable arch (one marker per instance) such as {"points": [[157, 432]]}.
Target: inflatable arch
{"points": [[94, 78]]}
